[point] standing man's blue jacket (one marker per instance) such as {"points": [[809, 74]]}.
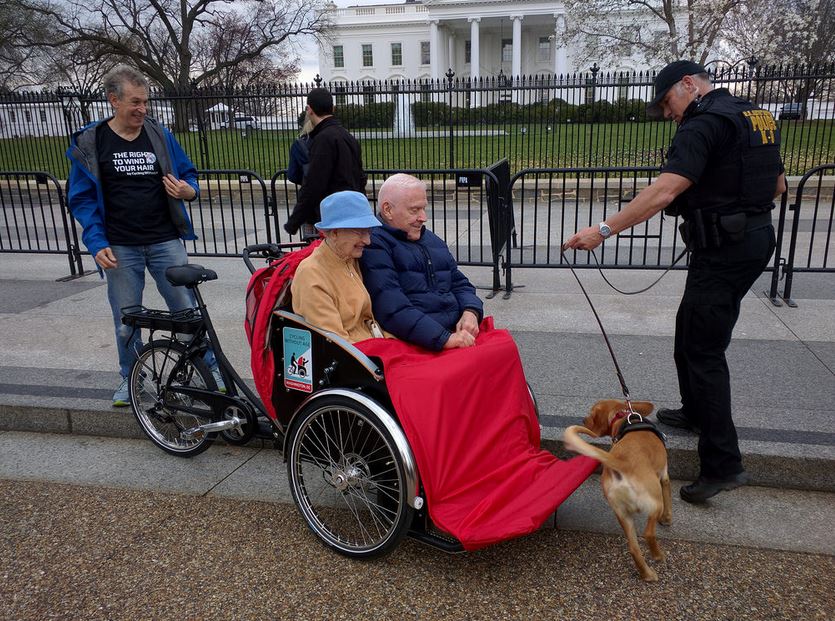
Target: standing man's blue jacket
{"points": [[85, 197], [417, 291]]}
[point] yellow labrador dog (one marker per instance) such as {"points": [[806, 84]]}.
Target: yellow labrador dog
{"points": [[635, 478]]}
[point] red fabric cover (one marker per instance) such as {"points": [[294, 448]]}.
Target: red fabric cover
{"points": [[262, 291], [471, 424]]}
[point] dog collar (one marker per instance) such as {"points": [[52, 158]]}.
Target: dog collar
{"points": [[633, 422]]}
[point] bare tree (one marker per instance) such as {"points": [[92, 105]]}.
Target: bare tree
{"points": [[19, 60], [227, 39], [159, 36], [652, 32]]}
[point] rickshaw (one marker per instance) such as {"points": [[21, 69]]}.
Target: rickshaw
{"points": [[352, 472]]}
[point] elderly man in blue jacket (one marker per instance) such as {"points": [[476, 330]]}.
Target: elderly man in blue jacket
{"points": [[418, 294], [128, 180]]}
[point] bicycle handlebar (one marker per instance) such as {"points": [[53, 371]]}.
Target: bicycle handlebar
{"points": [[268, 252]]}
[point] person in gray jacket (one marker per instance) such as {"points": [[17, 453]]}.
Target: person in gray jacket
{"points": [[128, 180]]}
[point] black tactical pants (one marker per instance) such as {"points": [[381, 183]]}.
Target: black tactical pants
{"points": [[717, 280]]}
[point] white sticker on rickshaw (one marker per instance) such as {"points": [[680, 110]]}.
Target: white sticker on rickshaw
{"points": [[298, 356]]}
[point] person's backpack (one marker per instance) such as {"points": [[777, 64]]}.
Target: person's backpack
{"points": [[299, 159]]}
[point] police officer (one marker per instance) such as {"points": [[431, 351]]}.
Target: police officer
{"points": [[722, 174]]}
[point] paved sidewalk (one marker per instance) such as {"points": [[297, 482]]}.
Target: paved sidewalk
{"points": [[57, 361]]}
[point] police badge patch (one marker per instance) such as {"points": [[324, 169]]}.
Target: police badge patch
{"points": [[762, 128]]}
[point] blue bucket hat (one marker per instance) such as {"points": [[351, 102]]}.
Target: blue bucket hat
{"points": [[346, 210]]}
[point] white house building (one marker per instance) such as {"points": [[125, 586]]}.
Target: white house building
{"points": [[420, 40]]}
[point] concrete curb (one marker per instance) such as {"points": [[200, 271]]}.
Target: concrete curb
{"points": [[768, 467]]}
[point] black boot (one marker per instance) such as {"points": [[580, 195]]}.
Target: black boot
{"points": [[703, 488], [676, 418]]}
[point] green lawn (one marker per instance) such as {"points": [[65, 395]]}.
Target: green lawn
{"points": [[805, 144]]}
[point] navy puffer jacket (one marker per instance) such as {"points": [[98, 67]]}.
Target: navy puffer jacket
{"points": [[417, 291]]}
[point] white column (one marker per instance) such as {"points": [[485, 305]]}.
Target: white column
{"points": [[451, 50], [434, 56], [516, 64], [560, 65], [475, 60]]}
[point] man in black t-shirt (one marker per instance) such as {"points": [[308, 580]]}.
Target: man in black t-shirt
{"points": [[722, 174], [128, 180]]}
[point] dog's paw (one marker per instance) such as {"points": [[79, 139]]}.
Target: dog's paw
{"points": [[649, 575], [666, 520]]}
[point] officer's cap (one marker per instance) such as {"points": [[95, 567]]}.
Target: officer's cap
{"points": [[666, 79]]}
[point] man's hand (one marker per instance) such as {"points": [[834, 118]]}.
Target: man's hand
{"points": [[461, 338], [587, 239], [468, 323], [106, 259], [178, 188]]}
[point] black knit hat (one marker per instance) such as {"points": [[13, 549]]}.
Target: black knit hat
{"points": [[666, 79]]}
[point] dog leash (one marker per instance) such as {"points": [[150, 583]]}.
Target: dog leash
{"points": [[623, 386], [645, 289]]}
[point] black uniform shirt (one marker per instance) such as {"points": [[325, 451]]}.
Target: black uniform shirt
{"points": [[699, 138]]}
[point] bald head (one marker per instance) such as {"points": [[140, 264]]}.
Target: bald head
{"points": [[395, 185], [401, 202]]}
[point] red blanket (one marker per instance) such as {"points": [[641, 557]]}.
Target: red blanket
{"points": [[474, 434]]}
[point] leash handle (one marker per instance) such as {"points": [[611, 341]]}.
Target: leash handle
{"points": [[602, 329]]}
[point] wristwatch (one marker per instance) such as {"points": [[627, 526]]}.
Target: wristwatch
{"points": [[605, 231]]}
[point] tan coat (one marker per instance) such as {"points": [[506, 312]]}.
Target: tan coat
{"points": [[328, 292]]}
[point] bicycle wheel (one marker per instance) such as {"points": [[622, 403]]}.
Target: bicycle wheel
{"points": [[155, 369], [348, 478]]}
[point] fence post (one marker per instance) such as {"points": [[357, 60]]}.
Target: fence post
{"points": [[594, 70], [449, 75]]}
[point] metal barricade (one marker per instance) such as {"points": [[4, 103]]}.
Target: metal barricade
{"points": [[811, 237], [35, 217], [551, 204], [231, 212]]}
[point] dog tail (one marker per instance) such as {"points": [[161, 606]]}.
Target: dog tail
{"points": [[572, 441]]}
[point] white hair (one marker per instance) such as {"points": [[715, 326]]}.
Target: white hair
{"points": [[396, 184]]}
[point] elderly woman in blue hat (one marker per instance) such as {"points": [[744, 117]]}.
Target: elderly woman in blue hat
{"points": [[327, 289]]}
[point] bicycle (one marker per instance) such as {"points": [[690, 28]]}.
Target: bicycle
{"points": [[173, 394]]}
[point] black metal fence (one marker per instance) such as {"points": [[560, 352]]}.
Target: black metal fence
{"points": [[584, 120], [487, 217]]}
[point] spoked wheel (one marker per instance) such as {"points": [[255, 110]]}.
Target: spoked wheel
{"points": [[348, 478], [155, 369]]}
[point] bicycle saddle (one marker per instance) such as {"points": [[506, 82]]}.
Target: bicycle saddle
{"points": [[189, 275]]}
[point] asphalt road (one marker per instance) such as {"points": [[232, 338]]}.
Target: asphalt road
{"points": [[71, 552]]}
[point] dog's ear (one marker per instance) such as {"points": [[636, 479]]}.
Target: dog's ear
{"points": [[644, 408], [600, 414]]}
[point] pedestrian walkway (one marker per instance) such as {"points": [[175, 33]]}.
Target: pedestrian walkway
{"points": [[58, 360]]}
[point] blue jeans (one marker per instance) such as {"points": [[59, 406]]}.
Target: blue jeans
{"points": [[126, 283]]}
